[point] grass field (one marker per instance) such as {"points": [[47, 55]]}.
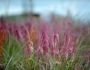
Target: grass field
{"points": [[38, 44]]}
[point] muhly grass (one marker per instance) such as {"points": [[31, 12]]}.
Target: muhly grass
{"points": [[46, 46]]}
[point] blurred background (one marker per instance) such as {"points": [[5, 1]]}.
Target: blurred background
{"points": [[78, 9]]}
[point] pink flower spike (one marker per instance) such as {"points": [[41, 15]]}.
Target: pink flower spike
{"points": [[55, 51], [24, 31]]}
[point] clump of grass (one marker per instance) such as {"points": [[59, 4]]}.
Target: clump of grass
{"points": [[12, 53], [53, 48]]}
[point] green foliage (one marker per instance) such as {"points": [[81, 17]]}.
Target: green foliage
{"points": [[12, 54]]}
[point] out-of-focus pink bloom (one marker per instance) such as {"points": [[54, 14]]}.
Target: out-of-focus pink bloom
{"points": [[10, 28], [55, 51], [44, 37], [56, 39], [3, 22], [45, 43], [17, 31], [67, 43], [39, 51], [28, 49], [14, 29], [28, 25]]}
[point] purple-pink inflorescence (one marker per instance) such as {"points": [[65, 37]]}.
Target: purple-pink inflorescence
{"points": [[67, 43], [25, 34]]}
